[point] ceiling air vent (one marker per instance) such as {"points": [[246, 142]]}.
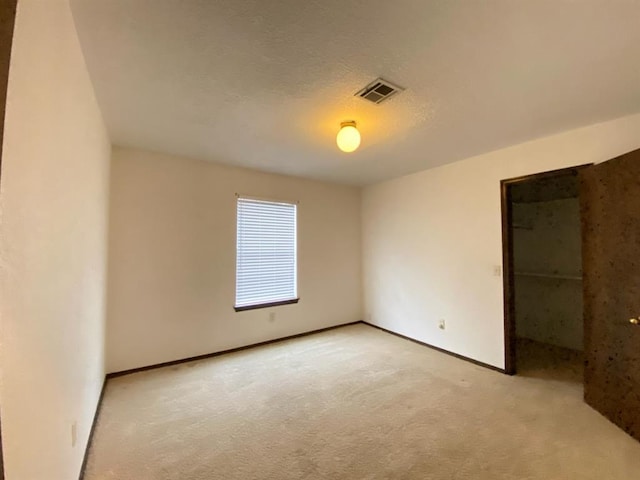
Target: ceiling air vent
{"points": [[379, 90]]}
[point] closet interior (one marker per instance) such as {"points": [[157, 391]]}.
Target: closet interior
{"points": [[547, 264]]}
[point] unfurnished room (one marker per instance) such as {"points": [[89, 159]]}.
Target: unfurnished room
{"points": [[281, 240]]}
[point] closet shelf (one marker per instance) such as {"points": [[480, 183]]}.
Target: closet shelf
{"points": [[522, 226], [549, 275]]}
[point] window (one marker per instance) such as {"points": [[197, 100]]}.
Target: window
{"points": [[266, 258]]}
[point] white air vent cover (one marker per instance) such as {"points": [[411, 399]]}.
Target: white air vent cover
{"points": [[379, 90]]}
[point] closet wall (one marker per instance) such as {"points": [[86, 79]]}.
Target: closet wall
{"points": [[547, 259]]}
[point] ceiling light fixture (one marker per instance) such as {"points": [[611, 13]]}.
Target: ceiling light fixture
{"points": [[348, 138]]}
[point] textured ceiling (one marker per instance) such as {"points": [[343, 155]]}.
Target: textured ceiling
{"points": [[265, 84]]}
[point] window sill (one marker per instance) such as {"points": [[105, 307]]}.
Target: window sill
{"points": [[266, 305]]}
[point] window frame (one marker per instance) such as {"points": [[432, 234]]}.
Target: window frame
{"points": [[291, 301]]}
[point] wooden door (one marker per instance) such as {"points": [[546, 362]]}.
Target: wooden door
{"points": [[610, 210]]}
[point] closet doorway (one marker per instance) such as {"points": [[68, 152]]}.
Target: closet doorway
{"points": [[543, 336], [544, 322]]}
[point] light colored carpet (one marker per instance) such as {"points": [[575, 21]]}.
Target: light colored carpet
{"points": [[351, 403]]}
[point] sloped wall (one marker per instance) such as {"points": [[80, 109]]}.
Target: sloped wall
{"points": [[53, 247]]}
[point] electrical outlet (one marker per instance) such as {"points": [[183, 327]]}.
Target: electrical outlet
{"points": [[272, 317], [441, 324], [74, 433]]}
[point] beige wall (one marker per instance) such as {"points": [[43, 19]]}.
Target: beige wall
{"points": [[549, 309], [53, 199], [7, 17], [432, 240], [172, 258]]}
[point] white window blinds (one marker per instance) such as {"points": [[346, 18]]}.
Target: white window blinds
{"points": [[266, 264]]}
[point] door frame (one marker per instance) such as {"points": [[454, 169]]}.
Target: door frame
{"points": [[508, 273]]}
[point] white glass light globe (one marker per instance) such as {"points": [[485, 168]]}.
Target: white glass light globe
{"points": [[348, 138]]}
